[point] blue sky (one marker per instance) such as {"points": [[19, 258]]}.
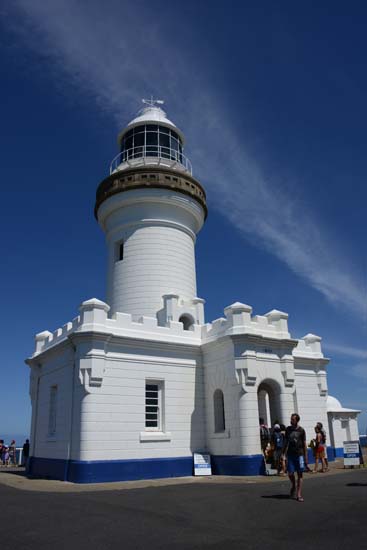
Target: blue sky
{"points": [[271, 98]]}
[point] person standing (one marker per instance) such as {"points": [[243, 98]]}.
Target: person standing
{"points": [[319, 450], [25, 452], [323, 433], [264, 435], [2, 451], [277, 443], [295, 449], [12, 453]]}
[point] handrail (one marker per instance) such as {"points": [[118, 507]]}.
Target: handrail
{"points": [[18, 459], [152, 154]]}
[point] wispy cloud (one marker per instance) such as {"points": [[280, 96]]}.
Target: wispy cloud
{"points": [[360, 371], [348, 351], [122, 55]]}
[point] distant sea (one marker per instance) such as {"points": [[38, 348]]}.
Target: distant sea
{"points": [[19, 438]]}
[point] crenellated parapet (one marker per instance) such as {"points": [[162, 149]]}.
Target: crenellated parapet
{"points": [[94, 318], [46, 339], [309, 358], [238, 320], [309, 347]]}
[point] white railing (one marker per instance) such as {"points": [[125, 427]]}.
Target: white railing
{"points": [[152, 155], [18, 458]]}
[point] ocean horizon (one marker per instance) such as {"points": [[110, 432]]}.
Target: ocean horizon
{"points": [[19, 438]]}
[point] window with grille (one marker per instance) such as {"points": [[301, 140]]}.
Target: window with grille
{"points": [[153, 405], [52, 411], [219, 418]]}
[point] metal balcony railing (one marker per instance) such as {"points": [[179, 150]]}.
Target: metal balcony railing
{"points": [[152, 155]]}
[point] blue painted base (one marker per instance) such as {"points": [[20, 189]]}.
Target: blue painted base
{"points": [[330, 454], [329, 451], [232, 465], [338, 452], [109, 470], [78, 471]]}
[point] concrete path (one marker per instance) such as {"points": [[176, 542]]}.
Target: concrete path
{"points": [[191, 513], [15, 477]]}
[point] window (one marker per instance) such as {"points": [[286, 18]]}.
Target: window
{"points": [[119, 251], [52, 411], [154, 405], [219, 420], [186, 320], [151, 140]]}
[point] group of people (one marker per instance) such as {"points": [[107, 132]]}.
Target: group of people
{"points": [[286, 448], [8, 453]]}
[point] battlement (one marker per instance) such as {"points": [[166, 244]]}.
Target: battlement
{"points": [[167, 327], [309, 347], [238, 320], [94, 318]]}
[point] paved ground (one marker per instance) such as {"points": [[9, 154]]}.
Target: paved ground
{"points": [[186, 514]]}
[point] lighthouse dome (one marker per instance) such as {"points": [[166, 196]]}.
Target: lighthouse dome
{"points": [[151, 139], [154, 115], [333, 404]]}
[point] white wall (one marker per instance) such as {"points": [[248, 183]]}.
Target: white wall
{"points": [[57, 369], [113, 415], [219, 373], [310, 403], [159, 228], [157, 261], [343, 427]]}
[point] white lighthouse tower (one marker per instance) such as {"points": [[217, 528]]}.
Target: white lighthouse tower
{"points": [[151, 209], [132, 387]]}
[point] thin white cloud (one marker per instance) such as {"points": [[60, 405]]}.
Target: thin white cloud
{"points": [[119, 54], [348, 351], [360, 371]]}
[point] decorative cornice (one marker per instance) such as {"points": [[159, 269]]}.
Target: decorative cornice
{"points": [[260, 339], [133, 341], [152, 177]]}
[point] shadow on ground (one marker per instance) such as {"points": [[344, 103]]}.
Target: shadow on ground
{"points": [[278, 497], [13, 471]]}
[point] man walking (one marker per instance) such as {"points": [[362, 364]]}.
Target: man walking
{"points": [[295, 448]]}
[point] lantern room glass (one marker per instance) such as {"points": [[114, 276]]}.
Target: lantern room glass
{"points": [[151, 140]]}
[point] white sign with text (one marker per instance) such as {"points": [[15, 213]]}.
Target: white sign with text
{"points": [[202, 464], [351, 453]]}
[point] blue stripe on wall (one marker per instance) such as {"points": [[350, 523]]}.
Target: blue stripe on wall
{"points": [[109, 470], [47, 468], [338, 452], [232, 465], [150, 468], [329, 451]]}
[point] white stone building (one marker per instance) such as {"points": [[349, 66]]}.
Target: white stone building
{"points": [[342, 423], [133, 387]]}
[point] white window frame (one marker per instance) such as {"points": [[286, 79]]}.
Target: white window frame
{"points": [[52, 411], [160, 405]]}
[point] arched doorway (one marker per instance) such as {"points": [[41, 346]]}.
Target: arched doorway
{"points": [[268, 397]]}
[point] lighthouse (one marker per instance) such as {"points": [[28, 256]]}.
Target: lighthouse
{"points": [[138, 383], [151, 208]]}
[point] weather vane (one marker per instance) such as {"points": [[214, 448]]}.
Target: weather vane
{"points": [[153, 102]]}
